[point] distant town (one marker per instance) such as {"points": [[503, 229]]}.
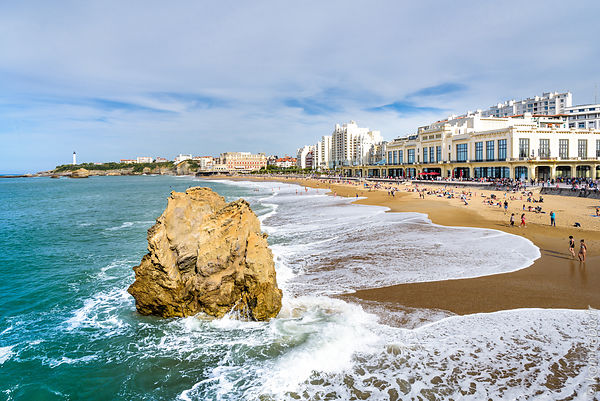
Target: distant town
{"points": [[542, 137]]}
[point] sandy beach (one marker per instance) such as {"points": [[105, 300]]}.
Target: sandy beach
{"points": [[554, 280]]}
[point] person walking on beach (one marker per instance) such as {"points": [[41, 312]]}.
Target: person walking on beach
{"points": [[523, 220], [552, 219], [512, 220], [572, 246], [582, 251], [505, 206]]}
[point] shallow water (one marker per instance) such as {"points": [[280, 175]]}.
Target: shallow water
{"points": [[69, 330]]}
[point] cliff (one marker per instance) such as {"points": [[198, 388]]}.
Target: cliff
{"points": [[205, 255]]}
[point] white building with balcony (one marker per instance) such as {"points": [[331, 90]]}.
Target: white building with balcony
{"points": [[181, 158], [352, 145], [305, 156], [584, 116], [323, 153], [144, 159], [550, 103]]}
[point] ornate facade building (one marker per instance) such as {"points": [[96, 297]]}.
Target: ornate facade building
{"points": [[527, 146]]}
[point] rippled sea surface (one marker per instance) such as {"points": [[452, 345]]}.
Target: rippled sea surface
{"points": [[69, 329]]}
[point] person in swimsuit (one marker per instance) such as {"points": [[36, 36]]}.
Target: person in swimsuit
{"points": [[523, 220], [582, 251], [572, 246], [512, 220]]}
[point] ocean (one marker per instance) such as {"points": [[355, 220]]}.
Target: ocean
{"points": [[69, 329]]}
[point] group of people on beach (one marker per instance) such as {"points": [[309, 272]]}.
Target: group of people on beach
{"points": [[582, 248]]}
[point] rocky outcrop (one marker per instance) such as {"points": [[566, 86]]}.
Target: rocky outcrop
{"points": [[80, 173], [206, 255], [185, 168]]}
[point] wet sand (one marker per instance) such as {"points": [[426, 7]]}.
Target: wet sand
{"points": [[553, 281]]}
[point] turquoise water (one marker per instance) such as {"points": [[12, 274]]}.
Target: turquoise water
{"points": [[66, 246], [69, 329]]}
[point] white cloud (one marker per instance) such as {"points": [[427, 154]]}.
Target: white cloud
{"points": [[224, 73]]}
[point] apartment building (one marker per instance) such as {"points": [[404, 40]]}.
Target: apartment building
{"points": [[144, 159], [583, 116], [549, 103], [305, 156], [323, 155], [352, 145], [181, 157], [205, 163]]}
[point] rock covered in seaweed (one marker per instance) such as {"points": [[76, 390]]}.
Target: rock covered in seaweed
{"points": [[206, 255]]}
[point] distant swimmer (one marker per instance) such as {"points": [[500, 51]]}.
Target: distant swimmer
{"points": [[572, 246], [582, 251]]}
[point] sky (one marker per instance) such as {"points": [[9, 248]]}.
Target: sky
{"points": [[114, 80]]}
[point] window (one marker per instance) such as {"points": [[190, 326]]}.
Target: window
{"points": [[389, 157], [563, 148], [411, 156], [400, 156], [431, 154], [461, 152], [523, 147], [521, 173], [581, 125], [544, 148], [395, 157], [582, 148], [438, 153], [478, 151], [501, 149], [489, 150], [425, 154], [597, 147]]}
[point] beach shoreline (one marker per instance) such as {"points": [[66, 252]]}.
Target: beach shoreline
{"points": [[552, 281]]}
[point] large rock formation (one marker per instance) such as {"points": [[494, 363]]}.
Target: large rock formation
{"points": [[205, 255]]}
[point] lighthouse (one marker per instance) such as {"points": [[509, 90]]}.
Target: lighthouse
{"points": [[74, 158]]}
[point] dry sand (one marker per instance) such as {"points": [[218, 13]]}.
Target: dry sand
{"points": [[555, 280]]}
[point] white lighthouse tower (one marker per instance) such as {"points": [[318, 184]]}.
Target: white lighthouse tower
{"points": [[74, 158]]}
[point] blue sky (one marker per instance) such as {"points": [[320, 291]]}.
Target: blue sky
{"points": [[113, 79]]}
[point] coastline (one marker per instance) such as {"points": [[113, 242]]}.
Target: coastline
{"points": [[552, 281]]}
